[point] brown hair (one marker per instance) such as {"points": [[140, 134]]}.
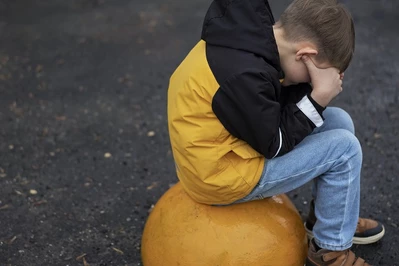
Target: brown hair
{"points": [[327, 24]]}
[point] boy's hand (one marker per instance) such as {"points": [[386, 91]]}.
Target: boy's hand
{"points": [[327, 83]]}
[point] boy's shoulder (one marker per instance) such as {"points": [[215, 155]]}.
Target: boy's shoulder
{"points": [[226, 63]]}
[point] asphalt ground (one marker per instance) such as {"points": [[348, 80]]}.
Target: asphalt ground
{"points": [[84, 148]]}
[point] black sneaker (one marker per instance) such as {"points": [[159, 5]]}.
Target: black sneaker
{"points": [[367, 231]]}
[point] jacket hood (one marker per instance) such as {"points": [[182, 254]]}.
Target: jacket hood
{"points": [[242, 24]]}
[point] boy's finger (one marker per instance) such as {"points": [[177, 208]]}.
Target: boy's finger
{"points": [[308, 62]]}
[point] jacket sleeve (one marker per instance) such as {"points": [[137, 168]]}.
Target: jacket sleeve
{"points": [[248, 106], [295, 93]]}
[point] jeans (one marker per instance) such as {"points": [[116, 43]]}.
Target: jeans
{"points": [[332, 157]]}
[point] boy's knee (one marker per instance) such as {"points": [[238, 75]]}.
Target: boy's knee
{"points": [[342, 118], [350, 141]]}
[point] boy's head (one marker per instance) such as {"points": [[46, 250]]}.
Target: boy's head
{"points": [[326, 26]]}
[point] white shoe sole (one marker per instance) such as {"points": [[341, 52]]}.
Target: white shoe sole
{"points": [[357, 240]]}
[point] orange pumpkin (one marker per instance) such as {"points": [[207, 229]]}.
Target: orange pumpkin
{"points": [[180, 231]]}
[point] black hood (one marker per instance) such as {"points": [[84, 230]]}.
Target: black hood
{"points": [[242, 24]]}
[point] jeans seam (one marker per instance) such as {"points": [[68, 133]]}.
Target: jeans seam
{"points": [[301, 173], [346, 197]]}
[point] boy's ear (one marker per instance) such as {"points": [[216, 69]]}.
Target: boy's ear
{"points": [[309, 51]]}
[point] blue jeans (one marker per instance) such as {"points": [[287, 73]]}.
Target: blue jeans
{"points": [[332, 157]]}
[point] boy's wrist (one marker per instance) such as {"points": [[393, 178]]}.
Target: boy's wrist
{"points": [[320, 109], [319, 99]]}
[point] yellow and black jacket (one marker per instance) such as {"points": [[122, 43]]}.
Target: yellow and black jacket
{"points": [[227, 111]]}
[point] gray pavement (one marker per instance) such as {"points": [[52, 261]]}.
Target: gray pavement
{"points": [[84, 148]]}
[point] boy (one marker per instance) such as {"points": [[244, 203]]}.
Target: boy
{"points": [[245, 123]]}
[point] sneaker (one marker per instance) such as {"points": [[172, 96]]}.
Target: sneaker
{"points": [[367, 231], [323, 257]]}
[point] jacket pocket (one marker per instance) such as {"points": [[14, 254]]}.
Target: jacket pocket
{"points": [[246, 152]]}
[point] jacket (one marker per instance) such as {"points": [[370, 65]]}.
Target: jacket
{"points": [[227, 111]]}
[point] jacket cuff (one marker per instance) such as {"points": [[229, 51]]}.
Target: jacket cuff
{"points": [[306, 106], [320, 109]]}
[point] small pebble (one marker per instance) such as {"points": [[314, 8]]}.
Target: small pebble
{"points": [[107, 155], [150, 209], [33, 192], [151, 133]]}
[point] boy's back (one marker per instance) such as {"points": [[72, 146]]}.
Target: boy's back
{"points": [[201, 145]]}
